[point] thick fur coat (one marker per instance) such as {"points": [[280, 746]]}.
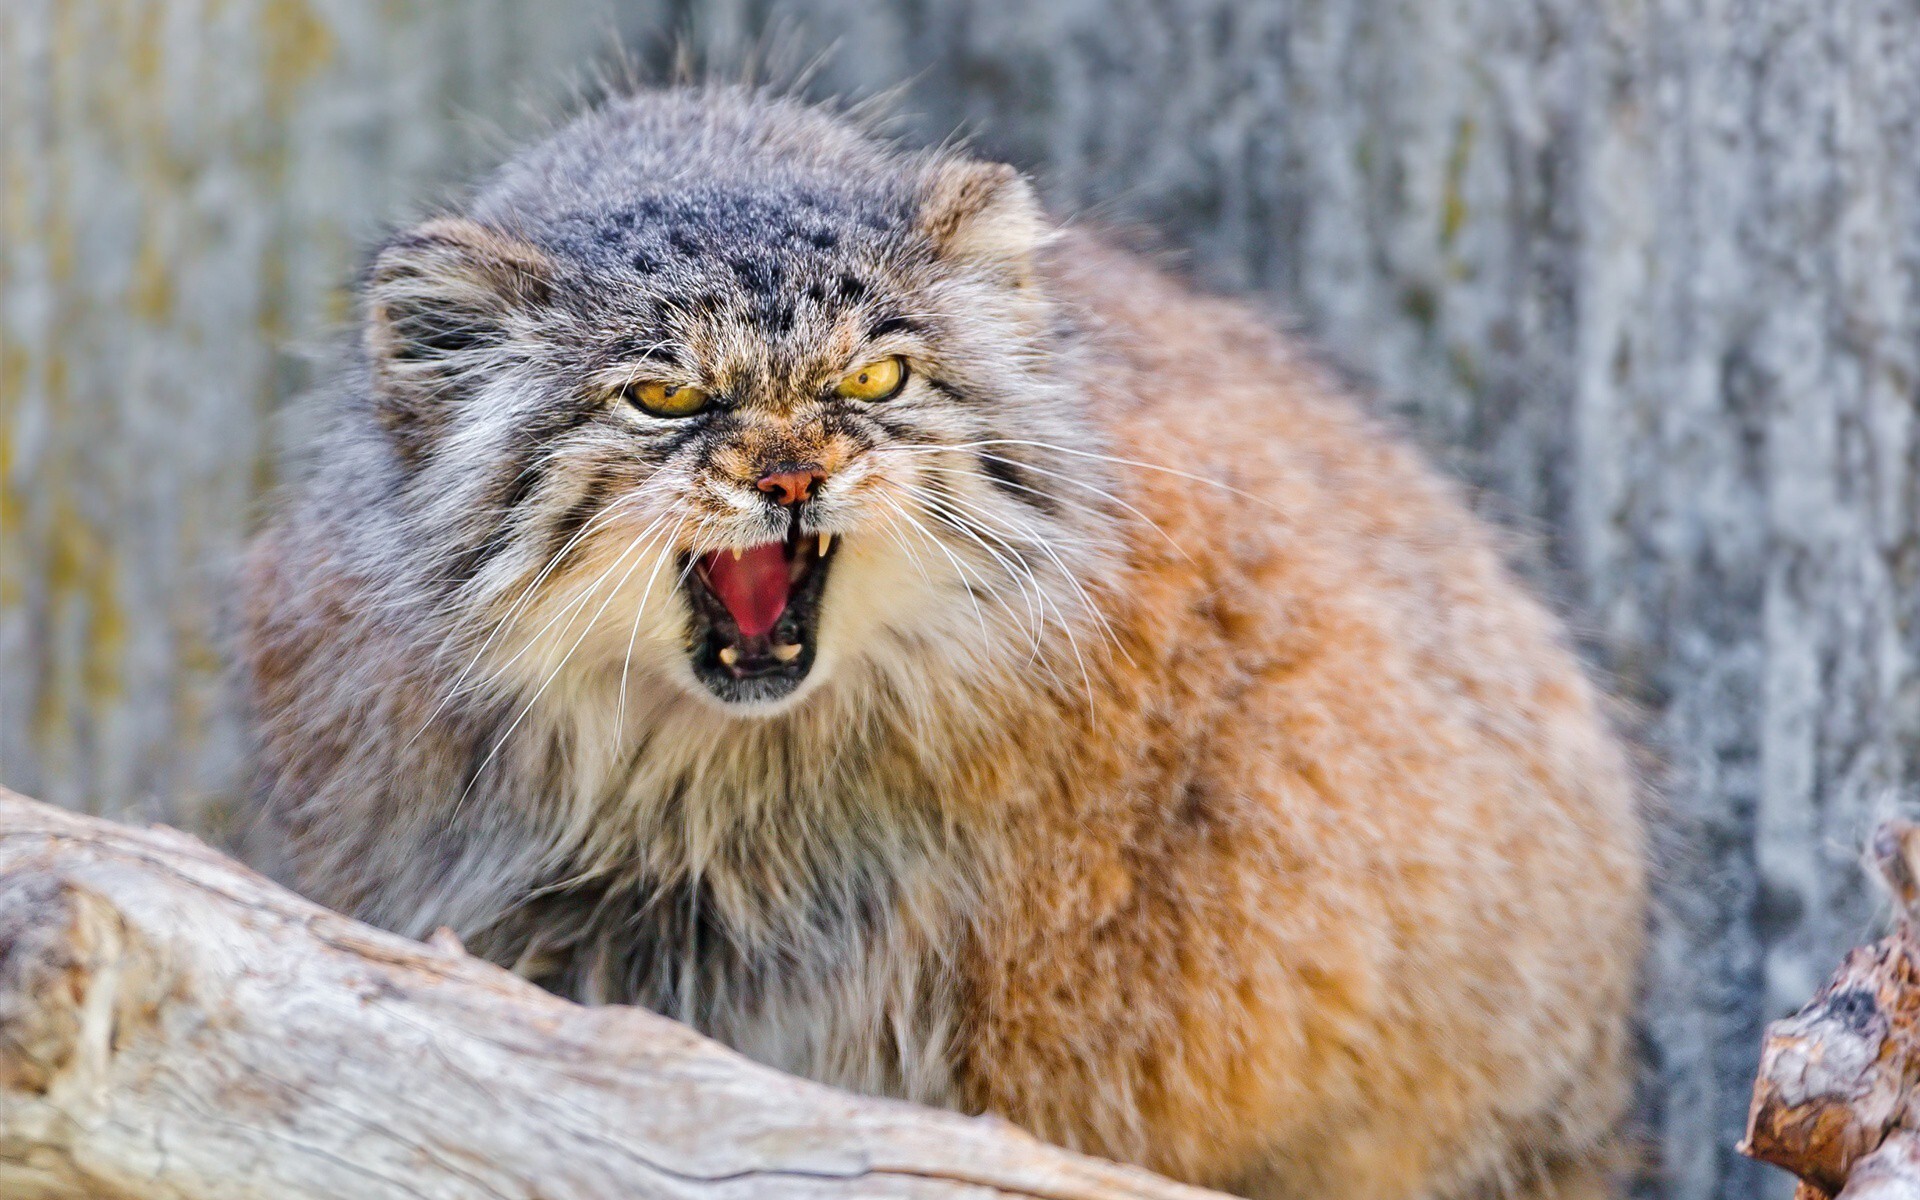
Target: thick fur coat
{"points": [[1169, 764]]}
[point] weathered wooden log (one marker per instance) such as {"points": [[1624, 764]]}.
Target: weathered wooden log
{"points": [[172, 1024], [1835, 1099], [1890, 1173]]}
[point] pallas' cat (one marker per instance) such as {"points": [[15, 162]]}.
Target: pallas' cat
{"points": [[783, 579]]}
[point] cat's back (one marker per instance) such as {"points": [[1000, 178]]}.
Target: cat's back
{"points": [[1376, 826], [1253, 474]]}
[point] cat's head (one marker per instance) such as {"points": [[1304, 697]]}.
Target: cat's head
{"points": [[720, 390]]}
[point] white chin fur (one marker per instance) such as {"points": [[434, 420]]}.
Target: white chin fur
{"points": [[881, 615]]}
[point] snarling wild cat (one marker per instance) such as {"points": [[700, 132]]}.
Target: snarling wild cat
{"points": [[783, 579]]}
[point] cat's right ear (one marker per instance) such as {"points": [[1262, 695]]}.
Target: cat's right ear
{"points": [[984, 215], [441, 304]]}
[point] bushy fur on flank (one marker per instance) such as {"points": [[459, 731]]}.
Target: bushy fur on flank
{"points": [[1179, 772]]}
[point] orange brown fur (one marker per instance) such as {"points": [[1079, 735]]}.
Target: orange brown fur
{"points": [[1348, 865]]}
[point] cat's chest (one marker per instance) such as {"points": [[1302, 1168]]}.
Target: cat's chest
{"points": [[803, 908], [876, 1018], [852, 985]]}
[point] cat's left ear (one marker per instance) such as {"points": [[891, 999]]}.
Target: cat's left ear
{"points": [[443, 299], [984, 215], [449, 286]]}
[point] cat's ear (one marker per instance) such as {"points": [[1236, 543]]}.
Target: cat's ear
{"points": [[441, 305], [984, 215]]}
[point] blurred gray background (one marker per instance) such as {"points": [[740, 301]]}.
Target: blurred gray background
{"points": [[1643, 269]]}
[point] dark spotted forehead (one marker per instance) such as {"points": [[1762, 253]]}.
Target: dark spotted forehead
{"points": [[759, 234], [784, 259]]}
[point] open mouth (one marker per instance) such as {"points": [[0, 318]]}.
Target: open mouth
{"points": [[756, 615]]}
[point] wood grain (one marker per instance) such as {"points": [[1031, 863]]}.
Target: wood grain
{"points": [[1837, 1097], [174, 1025]]}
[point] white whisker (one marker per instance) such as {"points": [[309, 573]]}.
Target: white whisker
{"points": [[525, 597], [638, 544], [1064, 478]]}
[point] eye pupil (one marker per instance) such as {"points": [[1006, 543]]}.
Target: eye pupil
{"points": [[874, 381], [667, 399]]}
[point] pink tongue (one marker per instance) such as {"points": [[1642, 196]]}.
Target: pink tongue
{"points": [[753, 586]]}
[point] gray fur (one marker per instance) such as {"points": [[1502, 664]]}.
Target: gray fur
{"points": [[467, 647]]}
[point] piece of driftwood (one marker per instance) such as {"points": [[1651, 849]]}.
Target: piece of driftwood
{"points": [[1837, 1099], [174, 1025]]}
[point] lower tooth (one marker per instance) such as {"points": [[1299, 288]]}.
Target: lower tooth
{"points": [[730, 656], [787, 651]]}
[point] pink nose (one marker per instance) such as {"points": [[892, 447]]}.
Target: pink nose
{"points": [[792, 484]]}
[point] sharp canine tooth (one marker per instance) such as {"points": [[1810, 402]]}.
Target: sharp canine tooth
{"points": [[729, 655], [787, 651], [736, 554], [826, 539]]}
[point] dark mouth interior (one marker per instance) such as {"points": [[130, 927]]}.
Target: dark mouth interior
{"points": [[756, 615]]}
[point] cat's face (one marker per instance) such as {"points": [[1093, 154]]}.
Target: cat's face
{"points": [[745, 437]]}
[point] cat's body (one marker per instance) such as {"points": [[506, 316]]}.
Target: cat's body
{"points": [[1194, 788]]}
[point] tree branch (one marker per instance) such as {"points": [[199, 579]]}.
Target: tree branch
{"points": [[174, 1025], [1835, 1099]]}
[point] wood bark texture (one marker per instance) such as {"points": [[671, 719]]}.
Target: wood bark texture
{"points": [[1837, 1097], [174, 1025], [187, 188]]}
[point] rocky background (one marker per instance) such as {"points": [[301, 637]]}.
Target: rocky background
{"points": [[1644, 270]]}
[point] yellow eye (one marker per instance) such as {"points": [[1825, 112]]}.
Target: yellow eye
{"points": [[667, 399], [880, 379]]}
